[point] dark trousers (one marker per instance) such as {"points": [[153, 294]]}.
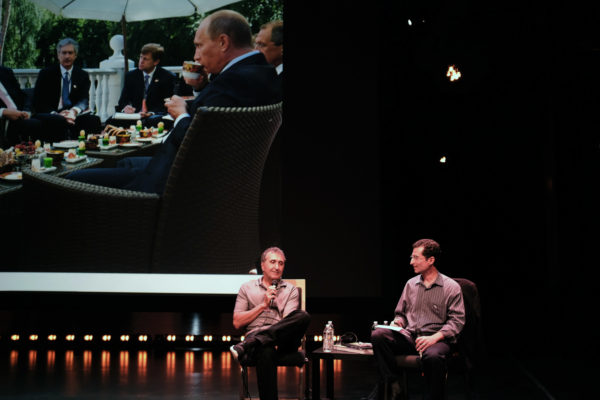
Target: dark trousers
{"points": [[56, 128], [21, 130], [283, 337], [387, 344], [119, 177]]}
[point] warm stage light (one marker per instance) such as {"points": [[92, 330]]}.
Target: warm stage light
{"points": [[208, 338], [88, 338], [124, 338], [171, 338], [143, 338], [318, 338], [443, 160], [409, 22], [33, 338], [51, 338], [189, 338], [70, 338], [226, 338], [453, 73], [242, 338], [106, 338], [14, 337]]}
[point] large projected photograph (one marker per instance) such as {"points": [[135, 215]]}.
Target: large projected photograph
{"points": [[147, 168]]}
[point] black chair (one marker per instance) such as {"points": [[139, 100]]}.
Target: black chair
{"points": [[296, 359], [206, 221], [469, 347]]}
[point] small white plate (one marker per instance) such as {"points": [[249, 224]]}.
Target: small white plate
{"points": [[108, 147], [74, 160], [44, 170], [130, 144], [66, 144], [144, 139]]}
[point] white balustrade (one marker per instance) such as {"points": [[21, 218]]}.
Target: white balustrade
{"points": [[26, 77]]}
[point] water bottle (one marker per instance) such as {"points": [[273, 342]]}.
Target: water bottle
{"points": [[328, 337]]}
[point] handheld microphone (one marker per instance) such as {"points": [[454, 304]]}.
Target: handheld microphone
{"points": [[274, 283]]}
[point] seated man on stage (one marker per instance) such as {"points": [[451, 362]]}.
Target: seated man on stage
{"points": [[61, 97], [13, 110], [432, 314], [146, 89], [269, 310], [224, 46]]}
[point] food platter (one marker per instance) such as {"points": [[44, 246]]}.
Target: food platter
{"points": [[12, 176]]}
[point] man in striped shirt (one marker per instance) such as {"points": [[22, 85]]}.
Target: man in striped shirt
{"points": [[431, 314]]}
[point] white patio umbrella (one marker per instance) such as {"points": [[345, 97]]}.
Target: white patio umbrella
{"points": [[129, 10]]}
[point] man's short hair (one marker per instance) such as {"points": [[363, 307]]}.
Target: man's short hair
{"points": [[232, 24], [276, 31], [431, 248], [66, 41], [154, 49], [273, 249]]}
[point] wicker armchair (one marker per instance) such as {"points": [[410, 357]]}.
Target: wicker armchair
{"points": [[206, 221]]}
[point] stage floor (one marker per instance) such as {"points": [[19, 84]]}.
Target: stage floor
{"points": [[203, 374]]}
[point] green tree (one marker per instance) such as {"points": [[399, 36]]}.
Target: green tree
{"points": [[176, 35], [259, 12], [93, 37], [20, 49]]}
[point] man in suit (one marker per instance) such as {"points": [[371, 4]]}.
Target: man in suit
{"points": [[61, 96], [146, 88], [269, 41], [240, 77], [15, 124]]}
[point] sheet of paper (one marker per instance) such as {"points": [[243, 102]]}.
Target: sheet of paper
{"points": [[392, 327], [134, 116]]}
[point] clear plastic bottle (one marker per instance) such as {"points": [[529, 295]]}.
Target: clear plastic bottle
{"points": [[328, 337]]}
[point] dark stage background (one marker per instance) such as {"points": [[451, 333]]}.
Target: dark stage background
{"points": [[370, 112]]}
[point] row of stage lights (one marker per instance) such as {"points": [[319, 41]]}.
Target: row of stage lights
{"points": [[142, 338], [128, 339]]}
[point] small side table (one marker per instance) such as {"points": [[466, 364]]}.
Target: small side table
{"points": [[318, 355]]}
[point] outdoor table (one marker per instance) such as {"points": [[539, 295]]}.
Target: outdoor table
{"points": [[63, 169], [112, 156]]}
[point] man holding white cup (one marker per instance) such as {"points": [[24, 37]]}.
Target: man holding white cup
{"points": [[240, 77]]}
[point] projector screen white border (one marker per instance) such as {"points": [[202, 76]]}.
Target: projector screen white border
{"points": [[122, 282]]}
